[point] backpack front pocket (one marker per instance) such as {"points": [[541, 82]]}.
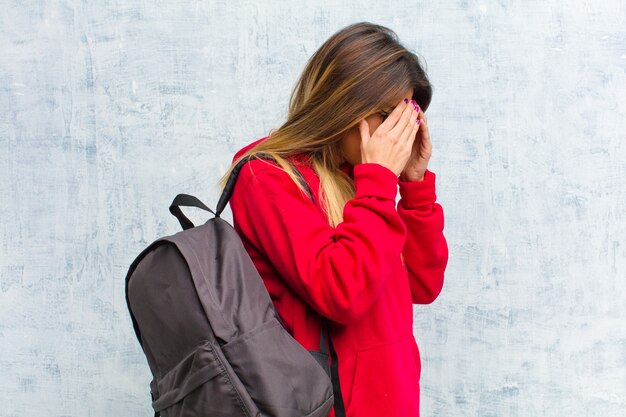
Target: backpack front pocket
{"points": [[203, 384], [282, 377]]}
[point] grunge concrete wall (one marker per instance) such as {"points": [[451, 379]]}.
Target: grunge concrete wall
{"points": [[108, 110]]}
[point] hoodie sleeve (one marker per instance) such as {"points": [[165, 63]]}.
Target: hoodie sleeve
{"points": [[425, 253], [338, 271]]}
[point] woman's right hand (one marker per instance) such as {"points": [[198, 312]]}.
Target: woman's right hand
{"points": [[392, 142]]}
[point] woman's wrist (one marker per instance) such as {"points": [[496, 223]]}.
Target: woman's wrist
{"points": [[411, 178]]}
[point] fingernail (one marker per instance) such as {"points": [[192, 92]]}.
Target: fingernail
{"points": [[417, 121], [414, 102], [406, 100]]}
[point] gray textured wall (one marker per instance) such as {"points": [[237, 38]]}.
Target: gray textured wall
{"points": [[108, 111]]}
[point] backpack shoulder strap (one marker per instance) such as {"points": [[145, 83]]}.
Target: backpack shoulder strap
{"points": [[232, 179], [339, 406]]}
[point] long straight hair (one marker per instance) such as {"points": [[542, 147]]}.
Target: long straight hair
{"points": [[354, 74]]}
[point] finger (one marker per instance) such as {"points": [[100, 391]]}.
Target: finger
{"points": [[426, 147], [402, 128], [364, 129], [413, 135], [396, 115], [406, 133], [423, 121]]}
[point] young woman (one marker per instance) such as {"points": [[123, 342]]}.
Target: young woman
{"points": [[356, 130]]}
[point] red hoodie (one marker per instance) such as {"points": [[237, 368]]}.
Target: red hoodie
{"points": [[364, 275]]}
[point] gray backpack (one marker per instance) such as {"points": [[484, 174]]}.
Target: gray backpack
{"points": [[214, 341]]}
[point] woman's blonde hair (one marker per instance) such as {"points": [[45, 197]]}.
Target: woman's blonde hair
{"points": [[357, 72]]}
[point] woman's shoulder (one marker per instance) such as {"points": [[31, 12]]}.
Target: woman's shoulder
{"points": [[299, 158]]}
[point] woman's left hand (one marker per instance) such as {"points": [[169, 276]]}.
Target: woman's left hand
{"points": [[415, 168]]}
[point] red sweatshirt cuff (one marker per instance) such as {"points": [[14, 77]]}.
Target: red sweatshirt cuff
{"points": [[373, 179], [415, 194]]}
